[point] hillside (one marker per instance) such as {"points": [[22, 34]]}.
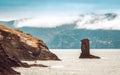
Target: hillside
{"points": [[102, 30]]}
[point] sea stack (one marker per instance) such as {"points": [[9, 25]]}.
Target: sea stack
{"points": [[85, 49]]}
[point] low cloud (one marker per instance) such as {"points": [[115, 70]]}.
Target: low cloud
{"points": [[45, 21], [107, 21]]}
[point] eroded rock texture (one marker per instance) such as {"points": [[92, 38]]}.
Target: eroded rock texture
{"points": [[24, 46], [6, 63], [16, 46], [85, 48]]}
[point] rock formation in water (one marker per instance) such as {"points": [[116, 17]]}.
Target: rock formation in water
{"points": [[7, 62], [24, 46], [85, 48], [16, 46]]}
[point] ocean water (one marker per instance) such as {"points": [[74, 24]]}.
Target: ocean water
{"points": [[70, 64]]}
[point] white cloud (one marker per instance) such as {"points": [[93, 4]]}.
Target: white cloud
{"points": [[86, 21], [99, 22], [45, 21]]}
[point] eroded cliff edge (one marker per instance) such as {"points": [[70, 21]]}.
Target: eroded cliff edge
{"points": [[24, 46]]}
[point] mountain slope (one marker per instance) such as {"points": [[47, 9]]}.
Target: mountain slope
{"points": [[102, 30], [69, 37]]}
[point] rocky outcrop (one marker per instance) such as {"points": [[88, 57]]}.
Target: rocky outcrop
{"points": [[24, 46], [7, 62], [85, 48], [16, 46], [5, 69]]}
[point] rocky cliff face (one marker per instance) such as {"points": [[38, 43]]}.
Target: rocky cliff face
{"points": [[6, 63], [24, 46]]}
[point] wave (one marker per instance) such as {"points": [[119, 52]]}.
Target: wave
{"points": [[107, 21]]}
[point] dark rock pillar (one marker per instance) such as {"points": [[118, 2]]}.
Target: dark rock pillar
{"points": [[85, 48]]}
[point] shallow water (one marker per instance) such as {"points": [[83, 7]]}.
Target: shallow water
{"points": [[109, 64]]}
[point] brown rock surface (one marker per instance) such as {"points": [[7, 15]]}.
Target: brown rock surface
{"points": [[15, 45], [24, 46], [85, 48], [7, 62]]}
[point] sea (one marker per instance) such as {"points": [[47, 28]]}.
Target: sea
{"points": [[71, 64]]}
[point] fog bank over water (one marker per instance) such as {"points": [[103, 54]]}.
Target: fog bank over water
{"points": [[106, 21]]}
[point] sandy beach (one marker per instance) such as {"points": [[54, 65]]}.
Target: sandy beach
{"points": [[70, 64]]}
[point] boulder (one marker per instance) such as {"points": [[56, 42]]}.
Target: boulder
{"points": [[24, 46], [85, 48]]}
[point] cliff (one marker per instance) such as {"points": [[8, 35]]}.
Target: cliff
{"points": [[6, 62], [24, 46]]}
